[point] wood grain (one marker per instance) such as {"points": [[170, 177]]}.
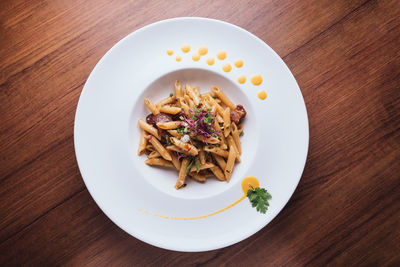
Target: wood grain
{"points": [[345, 56]]}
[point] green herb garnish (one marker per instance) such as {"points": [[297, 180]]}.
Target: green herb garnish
{"points": [[241, 133], [259, 198], [189, 166], [171, 94], [197, 165]]}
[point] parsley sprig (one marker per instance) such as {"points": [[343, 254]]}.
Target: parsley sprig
{"points": [[259, 198]]}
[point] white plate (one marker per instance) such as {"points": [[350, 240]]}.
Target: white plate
{"points": [[275, 143]]}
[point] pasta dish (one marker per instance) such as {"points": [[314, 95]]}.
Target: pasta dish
{"points": [[197, 134]]}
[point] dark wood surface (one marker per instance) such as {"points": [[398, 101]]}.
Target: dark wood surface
{"points": [[345, 56]]}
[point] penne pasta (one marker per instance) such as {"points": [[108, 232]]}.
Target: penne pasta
{"points": [[202, 156], [198, 177], [192, 133], [182, 174], [174, 133], [170, 125], [142, 143], [204, 166], [220, 161], [229, 163], [165, 101], [227, 121], [178, 89], [236, 137], [150, 105], [160, 148], [158, 162], [187, 148], [192, 95], [232, 144], [217, 151], [170, 110], [148, 128], [175, 161], [221, 95], [154, 154], [218, 173]]}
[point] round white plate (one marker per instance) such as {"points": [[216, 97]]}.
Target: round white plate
{"points": [[106, 137]]}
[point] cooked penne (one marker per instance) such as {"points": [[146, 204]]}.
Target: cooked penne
{"points": [[192, 132], [154, 154], [165, 101], [182, 174], [221, 95], [148, 128], [170, 110], [204, 166], [160, 148], [142, 143], [174, 133], [158, 162], [220, 161], [218, 173], [217, 151], [208, 140], [175, 161], [218, 128], [198, 177], [150, 105], [202, 156], [178, 89], [236, 137], [186, 147], [229, 163], [232, 144], [192, 94], [227, 121], [170, 125]]}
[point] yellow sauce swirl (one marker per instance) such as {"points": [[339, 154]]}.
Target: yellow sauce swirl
{"points": [[247, 183], [178, 58], [170, 52]]}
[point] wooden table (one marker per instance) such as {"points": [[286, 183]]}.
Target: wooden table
{"points": [[345, 56]]}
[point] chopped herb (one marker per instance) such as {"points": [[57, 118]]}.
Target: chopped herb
{"points": [[189, 166], [209, 109], [259, 198], [181, 108], [197, 165], [171, 94], [241, 133], [213, 96]]}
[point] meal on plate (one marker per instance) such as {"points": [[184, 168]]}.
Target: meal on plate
{"points": [[198, 134]]}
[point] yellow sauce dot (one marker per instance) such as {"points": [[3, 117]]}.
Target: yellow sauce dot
{"points": [[227, 67], [262, 94], [170, 52], [210, 61], [178, 58], [196, 57], [203, 50], [241, 79], [256, 79], [248, 182], [239, 63], [185, 48], [221, 55]]}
